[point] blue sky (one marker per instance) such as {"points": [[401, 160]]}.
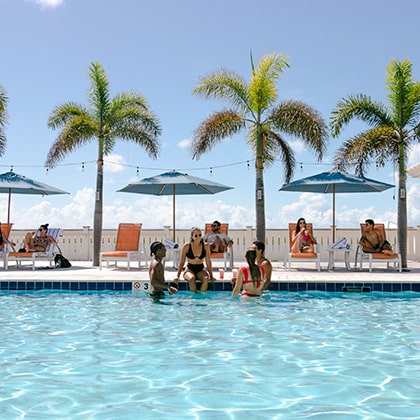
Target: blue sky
{"points": [[160, 49]]}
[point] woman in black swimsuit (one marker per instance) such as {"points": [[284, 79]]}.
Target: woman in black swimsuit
{"points": [[195, 252]]}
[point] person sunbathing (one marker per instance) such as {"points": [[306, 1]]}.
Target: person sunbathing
{"points": [[38, 243], [302, 240], [372, 241]]}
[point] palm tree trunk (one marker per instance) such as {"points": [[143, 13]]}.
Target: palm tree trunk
{"points": [[402, 207], [260, 203], [98, 213]]}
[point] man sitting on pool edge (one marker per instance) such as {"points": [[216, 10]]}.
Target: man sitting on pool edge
{"points": [[157, 273]]}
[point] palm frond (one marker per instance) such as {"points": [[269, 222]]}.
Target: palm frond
{"points": [[361, 107], [298, 119], [77, 132], [285, 154], [62, 114], [262, 86], [225, 85], [215, 128], [99, 91], [3, 119], [377, 144]]}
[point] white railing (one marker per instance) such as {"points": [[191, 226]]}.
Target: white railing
{"points": [[76, 244]]}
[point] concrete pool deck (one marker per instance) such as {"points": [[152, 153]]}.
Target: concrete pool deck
{"points": [[84, 271]]}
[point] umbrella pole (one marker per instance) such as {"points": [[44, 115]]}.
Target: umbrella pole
{"points": [[173, 213], [8, 205], [333, 226]]}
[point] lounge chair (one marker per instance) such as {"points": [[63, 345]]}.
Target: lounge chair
{"points": [[377, 257], [302, 256], [227, 254], [5, 231], [33, 257], [127, 247]]}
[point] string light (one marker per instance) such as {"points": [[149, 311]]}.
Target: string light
{"points": [[211, 171], [247, 165], [301, 167], [46, 171], [83, 166], [137, 171]]}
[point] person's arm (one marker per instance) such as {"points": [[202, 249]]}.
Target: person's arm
{"points": [[268, 269], [208, 261], [312, 237], [238, 284], [182, 261]]}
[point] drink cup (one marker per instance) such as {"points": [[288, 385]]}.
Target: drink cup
{"points": [[221, 273]]}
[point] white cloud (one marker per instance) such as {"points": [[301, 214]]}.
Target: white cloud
{"points": [[113, 163], [47, 3], [413, 156], [184, 144]]}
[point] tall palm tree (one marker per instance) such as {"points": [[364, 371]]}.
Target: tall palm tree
{"points": [[3, 119], [392, 131], [125, 117], [253, 109]]}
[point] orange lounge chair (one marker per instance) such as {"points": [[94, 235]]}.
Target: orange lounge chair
{"points": [[377, 257], [127, 247], [302, 256], [5, 231], [33, 257], [227, 254]]}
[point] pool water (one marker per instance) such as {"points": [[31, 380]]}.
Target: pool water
{"points": [[283, 356]]}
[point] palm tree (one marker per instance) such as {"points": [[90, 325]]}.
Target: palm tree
{"points": [[125, 117], [3, 119], [253, 109], [392, 130]]}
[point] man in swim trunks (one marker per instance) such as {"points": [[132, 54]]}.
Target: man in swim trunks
{"points": [[217, 240], [372, 241], [40, 242], [157, 273]]}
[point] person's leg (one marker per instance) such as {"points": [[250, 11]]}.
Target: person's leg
{"points": [[203, 276], [190, 278], [28, 243], [296, 247]]}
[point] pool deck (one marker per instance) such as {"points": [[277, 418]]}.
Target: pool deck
{"points": [[301, 278]]}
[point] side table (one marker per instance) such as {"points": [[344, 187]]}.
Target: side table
{"points": [[332, 257]]}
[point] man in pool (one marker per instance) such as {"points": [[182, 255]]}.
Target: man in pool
{"points": [[157, 273]]}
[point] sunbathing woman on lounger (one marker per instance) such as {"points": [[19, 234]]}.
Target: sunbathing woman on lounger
{"points": [[38, 243], [302, 240]]}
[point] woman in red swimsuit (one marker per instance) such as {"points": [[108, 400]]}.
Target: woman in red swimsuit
{"points": [[195, 252], [251, 277]]}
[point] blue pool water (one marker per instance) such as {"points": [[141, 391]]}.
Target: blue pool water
{"points": [[284, 356]]}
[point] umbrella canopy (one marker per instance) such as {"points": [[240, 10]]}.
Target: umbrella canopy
{"points": [[335, 182], [12, 183], [174, 183], [414, 170]]}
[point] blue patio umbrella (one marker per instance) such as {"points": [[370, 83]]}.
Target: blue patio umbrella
{"points": [[335, 182], [13, 183], [174, 183]]}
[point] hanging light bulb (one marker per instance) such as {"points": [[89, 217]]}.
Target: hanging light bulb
{"points": [[211, 171], [46, 171], [301, 167], [247, 165], [11, 168], [83, 166], [138, 171], [377, 167]]}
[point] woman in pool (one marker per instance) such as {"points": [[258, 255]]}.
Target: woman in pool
{"points": [[302, 240], [251, 277], [196, 252]]}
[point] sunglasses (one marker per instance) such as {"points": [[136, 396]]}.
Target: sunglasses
{"points": [[302, 223], [197, 235]]}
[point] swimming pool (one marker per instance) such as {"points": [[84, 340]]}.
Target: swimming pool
{"points": [[286, 355]]}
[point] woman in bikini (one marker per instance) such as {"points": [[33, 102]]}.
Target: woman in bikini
{"points": [[38, 243], [302, 240], [251, 277], [195, 252]]}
